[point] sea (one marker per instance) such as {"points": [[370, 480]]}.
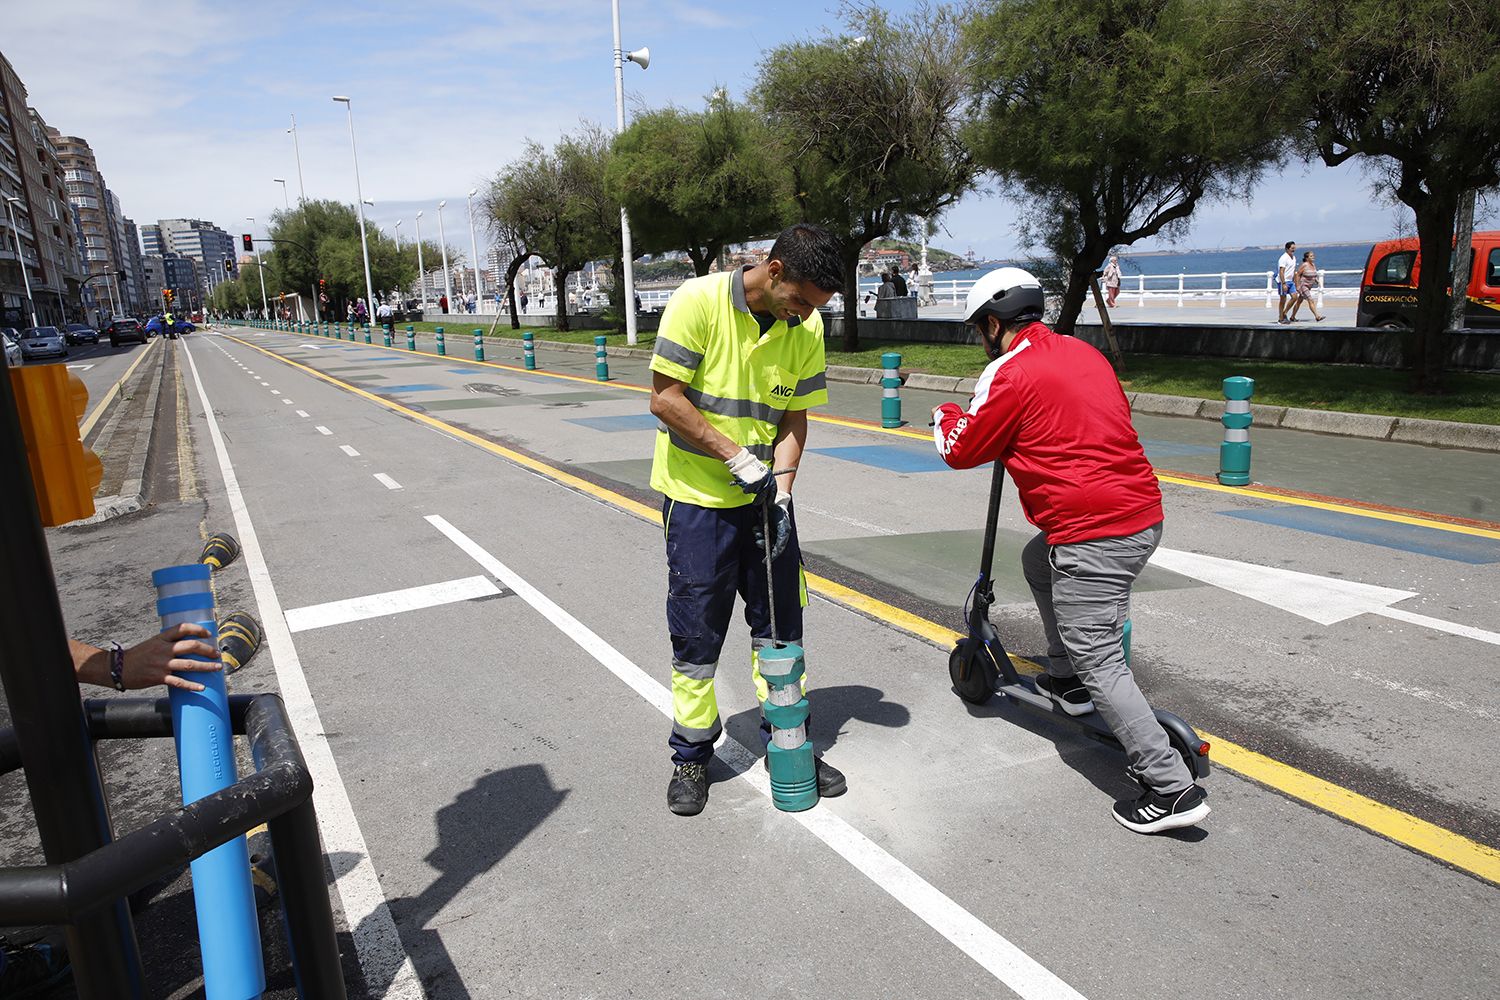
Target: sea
{"points": [[1209, 263]]}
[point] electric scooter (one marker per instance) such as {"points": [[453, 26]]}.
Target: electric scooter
{"points": [[980, 667]]}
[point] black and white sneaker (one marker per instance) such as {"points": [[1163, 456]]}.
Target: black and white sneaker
{"points": [[1068, 692], [1154, 812]]}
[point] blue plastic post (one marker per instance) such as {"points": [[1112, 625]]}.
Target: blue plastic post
{"points": [[794, 776], [411, 339], [228, 932], [890, 400], [528, 350], [442, 351], [1234, 453], [601, 360], [478, 344]]}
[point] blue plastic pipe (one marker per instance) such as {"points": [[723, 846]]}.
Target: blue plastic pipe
{"points": [[228, 931]]}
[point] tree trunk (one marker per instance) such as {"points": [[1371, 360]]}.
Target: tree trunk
{"points": [[1427, 349], [560, 289], [851, 299], [1079, 272], [511, 270]]}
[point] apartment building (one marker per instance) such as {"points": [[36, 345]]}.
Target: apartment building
{"points": [[91, 201]]}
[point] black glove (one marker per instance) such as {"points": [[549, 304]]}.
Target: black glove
{"points": [[781, 525]]}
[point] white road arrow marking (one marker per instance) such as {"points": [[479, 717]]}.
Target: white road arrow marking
{"points": [[1323, 599], [81, 368]]}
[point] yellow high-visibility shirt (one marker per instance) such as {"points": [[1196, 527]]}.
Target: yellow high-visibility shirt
{"points": [[740, 379]]}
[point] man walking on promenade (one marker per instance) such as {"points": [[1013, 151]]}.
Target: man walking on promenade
{"points": [[737, 365], [1286, 267], [1052, 411]]}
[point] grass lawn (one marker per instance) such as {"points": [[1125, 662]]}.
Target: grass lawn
{"points": [[1471, 398]]}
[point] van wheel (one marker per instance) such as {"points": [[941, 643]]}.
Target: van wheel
{"points": [[1393, 324]]}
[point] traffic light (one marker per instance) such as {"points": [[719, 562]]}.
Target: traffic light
{"points": [[249, 243], [228, 266], [50, 401], [321, 284], [168, 295]]}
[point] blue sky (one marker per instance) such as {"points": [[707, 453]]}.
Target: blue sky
{"points": [[187, 104]]}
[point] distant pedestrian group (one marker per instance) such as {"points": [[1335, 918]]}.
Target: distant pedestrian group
{"points": [[1295, 284]]}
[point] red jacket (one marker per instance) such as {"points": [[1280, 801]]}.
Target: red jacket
{"points": [[1052, 410]]}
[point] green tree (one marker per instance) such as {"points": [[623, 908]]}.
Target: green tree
{"points": [[697, 181], [1112, 121], [870, 122], [1411, 88]]}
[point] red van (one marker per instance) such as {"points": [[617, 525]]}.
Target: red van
{"points": [[1388, 294]]}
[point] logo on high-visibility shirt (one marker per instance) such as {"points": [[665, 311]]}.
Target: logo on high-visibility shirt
{"points": [[781, 390]]}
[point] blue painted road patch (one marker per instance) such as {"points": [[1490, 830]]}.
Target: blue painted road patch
{"points": [[1174, 449], [613, 425], [888, 457], [1389, 534], [415, 387]]}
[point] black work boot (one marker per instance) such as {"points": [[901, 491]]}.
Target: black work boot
{"points": [[687, 792]]}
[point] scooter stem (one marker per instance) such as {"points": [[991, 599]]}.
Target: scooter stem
{"points": [[991, 521]]}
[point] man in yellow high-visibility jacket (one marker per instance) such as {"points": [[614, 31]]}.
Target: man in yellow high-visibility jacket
{"points": [[738, 363]]}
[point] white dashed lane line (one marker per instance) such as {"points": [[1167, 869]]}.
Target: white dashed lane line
{"points": [[323, 430], [300, 413], [348, 451], [389, 483]]}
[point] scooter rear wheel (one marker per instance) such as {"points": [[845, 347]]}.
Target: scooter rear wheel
{"points": [[976, 684]]}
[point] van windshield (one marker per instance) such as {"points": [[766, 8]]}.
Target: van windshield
{"points": [[1395, 268]]}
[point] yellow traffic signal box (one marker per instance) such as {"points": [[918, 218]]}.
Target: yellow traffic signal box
{"points": [[51, 400]]}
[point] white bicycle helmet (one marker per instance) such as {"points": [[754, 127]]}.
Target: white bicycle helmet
{"points": [[1008, 293]]}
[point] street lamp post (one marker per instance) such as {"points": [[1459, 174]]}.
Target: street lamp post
{"points": [[265, 307], [443, 241], [642, 58], [421, 273], [474, 249], [397, 229], [297, 148], [364, 244], [282, 181], [10, 202]]}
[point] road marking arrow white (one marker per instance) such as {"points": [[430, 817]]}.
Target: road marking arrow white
{"points": [[81, 368], [1323, 599]]}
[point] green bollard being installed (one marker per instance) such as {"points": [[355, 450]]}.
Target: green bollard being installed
{"points": [[411, 339], [890, 400], [442, 351], [478, 344], [601, 360], [528, 350], [1234, 453], [794, 776]]}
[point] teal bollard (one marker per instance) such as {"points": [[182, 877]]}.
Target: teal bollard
{"points": [[601, 360], [442, 350], [411, 339], [794, 776], [478, 344], [386, 330], [528, 350], [1234, 453], [367, 334], [890, 400]]}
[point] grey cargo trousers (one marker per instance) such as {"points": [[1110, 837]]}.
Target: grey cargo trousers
{"points": [[1083, 593]]}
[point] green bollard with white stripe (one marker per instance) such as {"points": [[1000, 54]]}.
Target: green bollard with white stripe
{"points": [[442, 351], [789, 756], [890, 399], [411, 339], [528, 350], [478, 344], [385, 331], [601, 360], [367, 334], [1234, 453]]}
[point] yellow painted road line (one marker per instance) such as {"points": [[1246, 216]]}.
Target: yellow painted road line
{"points": [[93, 418], [874, 428], [1419, 835]]}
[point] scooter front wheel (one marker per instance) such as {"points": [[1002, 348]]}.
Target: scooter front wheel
{"points": [[972, 672]]}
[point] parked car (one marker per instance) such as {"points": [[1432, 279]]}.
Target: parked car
{"points": [[79, 333], [13, 356], [43, 342], [123, 328], [1388, 293]]}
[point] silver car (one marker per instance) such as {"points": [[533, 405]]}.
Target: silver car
{"points": [[13, 358], [43, 342]]}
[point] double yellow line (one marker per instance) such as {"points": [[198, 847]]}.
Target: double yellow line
{"points": [[1409, 831]]}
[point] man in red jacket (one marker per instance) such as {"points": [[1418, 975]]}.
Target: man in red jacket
{"points": [[1050, 409]]}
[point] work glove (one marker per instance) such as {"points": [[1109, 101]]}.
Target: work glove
{"points": [[753, 476], [781, 526]]}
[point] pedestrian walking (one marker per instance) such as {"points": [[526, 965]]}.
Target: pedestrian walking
{"points": [[523, 301], [443, 304], [738, 363], [1305, 280], [1052, 411], [1286, 289], [1112, 280]]}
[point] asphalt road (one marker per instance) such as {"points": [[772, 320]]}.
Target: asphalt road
{"points": [[463, 600]]}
